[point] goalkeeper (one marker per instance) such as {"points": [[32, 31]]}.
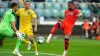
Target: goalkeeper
{"points": [[7, 24]]}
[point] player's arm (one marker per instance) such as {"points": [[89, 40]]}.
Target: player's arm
{"points": [[35, 24], [98, 29], [13, 26], [12, 22], [35, 21], [78, 13]]}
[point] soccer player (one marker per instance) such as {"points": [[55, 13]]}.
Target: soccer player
{"points": [[86, 27], [98, 30], [67, 24], [26, 16], [94, 28], [7, 24]]}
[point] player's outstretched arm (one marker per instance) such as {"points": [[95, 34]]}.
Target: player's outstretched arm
{"points": [[19, 35], [35, 24], [80, 14], [13, 26]]}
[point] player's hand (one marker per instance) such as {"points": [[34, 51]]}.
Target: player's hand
{"points": [[19, 35], [80, 14], [35, 29], [92, 31]]}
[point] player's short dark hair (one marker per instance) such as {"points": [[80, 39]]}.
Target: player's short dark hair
{"points": [[99, 18], [71, 2], [13, 4], [27, 1]]}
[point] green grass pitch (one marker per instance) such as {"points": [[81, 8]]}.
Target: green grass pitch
{"points": [[77, 47]]}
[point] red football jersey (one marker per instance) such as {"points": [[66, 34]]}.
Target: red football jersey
{"points": [[70, 17], [95, 25], [99, 23], [86, 26]]}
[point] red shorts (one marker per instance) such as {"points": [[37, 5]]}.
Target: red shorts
{"points": [[64, 26]]}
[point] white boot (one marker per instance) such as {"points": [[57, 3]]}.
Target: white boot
{"points": [[64, 53], [36, 53], [29, 46], [48, 38], [16, 53]]}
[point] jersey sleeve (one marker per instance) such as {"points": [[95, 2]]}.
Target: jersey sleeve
{"points": [[12, 17], [77, 11], [33, 14], [65, 13], [18, 12]]}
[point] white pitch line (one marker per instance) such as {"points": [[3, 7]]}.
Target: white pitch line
{"points": [[33, 52]]}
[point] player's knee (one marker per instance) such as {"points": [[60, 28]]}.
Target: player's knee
{"points": [[58, 24], [67, 36], [31, 37]]}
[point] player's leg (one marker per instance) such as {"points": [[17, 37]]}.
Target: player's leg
{"points": [[67, 32], [31, 38], [5, 32], [28, 43], [16, 50], [1, 42], [66, 44], [24, 40], [1, 33], [53, 30]]}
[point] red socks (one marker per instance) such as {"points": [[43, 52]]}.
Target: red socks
{"points": [[66, 43]]}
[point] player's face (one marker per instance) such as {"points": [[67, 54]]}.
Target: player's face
{"points": [[27, 5], [16, 7], [85, 20], [70, 6]]}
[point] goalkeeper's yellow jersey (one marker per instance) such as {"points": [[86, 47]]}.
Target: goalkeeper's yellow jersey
{"points": [[26, 17]]}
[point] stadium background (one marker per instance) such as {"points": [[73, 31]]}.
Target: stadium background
{"points": [[48, 12]]}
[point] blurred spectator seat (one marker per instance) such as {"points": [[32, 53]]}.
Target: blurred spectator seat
{"points": [[39, 12], [87, 13], [83, 6], [67, 0], [21, 5], [32, 5], [17, 1], [48, 5], [52, 0], [47, 13], [57, 6], [60, 0], [62, 12], [64, 6], [4, 4], [2, 11], [55, 13], [7, 9], [39, 5], [38, 0]]}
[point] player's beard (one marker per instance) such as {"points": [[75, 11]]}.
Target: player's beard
{"points": [[70, 9]]}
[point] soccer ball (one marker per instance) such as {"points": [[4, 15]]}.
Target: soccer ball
{"points": [[40, 40]]}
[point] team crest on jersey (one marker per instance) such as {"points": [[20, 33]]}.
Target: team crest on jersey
{"points": [[28, 13], [71, 13], [31, 29]]}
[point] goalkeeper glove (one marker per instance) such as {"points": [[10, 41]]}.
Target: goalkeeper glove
{"points": [[19, 35]]}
